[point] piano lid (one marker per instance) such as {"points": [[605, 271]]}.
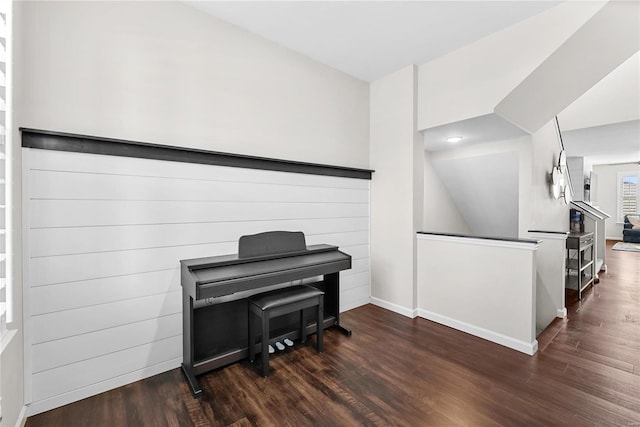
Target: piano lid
{"points": [[195, 264], [271, 266]]}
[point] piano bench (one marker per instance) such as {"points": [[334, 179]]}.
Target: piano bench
{"points": [[279, 302]]}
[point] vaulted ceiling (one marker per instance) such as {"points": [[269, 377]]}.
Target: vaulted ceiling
{"points": [[370, 39]]}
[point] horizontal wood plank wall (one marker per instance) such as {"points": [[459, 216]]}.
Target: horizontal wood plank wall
{"points": [[105, 236]]}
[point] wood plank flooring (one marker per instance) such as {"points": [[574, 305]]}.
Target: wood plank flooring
{"points": [[413, 372]]}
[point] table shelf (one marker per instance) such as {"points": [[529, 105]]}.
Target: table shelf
{"points": [[580, 263], [573, 264]]}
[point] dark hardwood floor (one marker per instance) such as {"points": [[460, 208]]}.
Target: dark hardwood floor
{"points": [[413, 372]]}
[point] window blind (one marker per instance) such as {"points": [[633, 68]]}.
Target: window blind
{"points": [[628, 195]]}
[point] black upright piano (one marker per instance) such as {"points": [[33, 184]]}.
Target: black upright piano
{"points": [[215, 292]]}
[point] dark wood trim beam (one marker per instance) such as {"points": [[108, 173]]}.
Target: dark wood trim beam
{"points": [[563, 233], [59, 141]]}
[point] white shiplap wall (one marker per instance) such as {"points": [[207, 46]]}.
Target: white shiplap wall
{"points": [[103, 240]]}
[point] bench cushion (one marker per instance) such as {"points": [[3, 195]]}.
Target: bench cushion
{"points": [[278, 297]]}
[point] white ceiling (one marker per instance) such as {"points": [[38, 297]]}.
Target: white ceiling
{"points": [[477, 130], [607, 144], [370, 39], [614, 99], [602, 125]]}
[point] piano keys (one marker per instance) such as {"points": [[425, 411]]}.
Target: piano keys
{"points": [[215, 292]]}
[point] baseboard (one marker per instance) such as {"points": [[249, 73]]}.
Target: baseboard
{"points": [[22, 417], [94, 389], [529, 348], [355, 304], [394, 307], [561, 313]]}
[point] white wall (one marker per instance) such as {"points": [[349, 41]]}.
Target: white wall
{"points": [[580, 170], [165, 72], [621, 142], [525, 180], [483, 181], [11, 362], [105, 236], [453, 290], [396, 190], [471, 81], [550, 277], [485, 188], [576, 170], [12, 381], [575, 66], [548, 214], [440, 212], [608, 195]]}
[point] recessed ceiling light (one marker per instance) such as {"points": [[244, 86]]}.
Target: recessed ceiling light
{"points": [[454, 139]]}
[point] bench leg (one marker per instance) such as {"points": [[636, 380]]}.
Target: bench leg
{"points": [[265, 344], [252, 343], [319, 325], [303, 328]]}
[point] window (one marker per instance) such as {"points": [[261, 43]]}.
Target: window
{"points": [[628, 194]]}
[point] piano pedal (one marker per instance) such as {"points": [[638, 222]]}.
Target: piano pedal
{"points": [[288, 342], [271, 349], [280, 346]]}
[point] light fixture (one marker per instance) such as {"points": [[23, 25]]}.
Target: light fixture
{"points": [[557, 182], [454, 139], [562, 159]]}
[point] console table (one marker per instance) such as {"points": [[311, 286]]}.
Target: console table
{"points": [[580, 262]]}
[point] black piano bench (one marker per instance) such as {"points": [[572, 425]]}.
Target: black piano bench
{"points": [[279, 302]]}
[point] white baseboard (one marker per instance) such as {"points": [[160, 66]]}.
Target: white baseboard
{"points": [[355, 304], [562, 313], [394, 307], [22, 417], [529, 348], [82, 393]]}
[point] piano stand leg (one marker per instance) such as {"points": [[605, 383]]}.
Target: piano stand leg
{"points": [[342, 329], [193, 382]]}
